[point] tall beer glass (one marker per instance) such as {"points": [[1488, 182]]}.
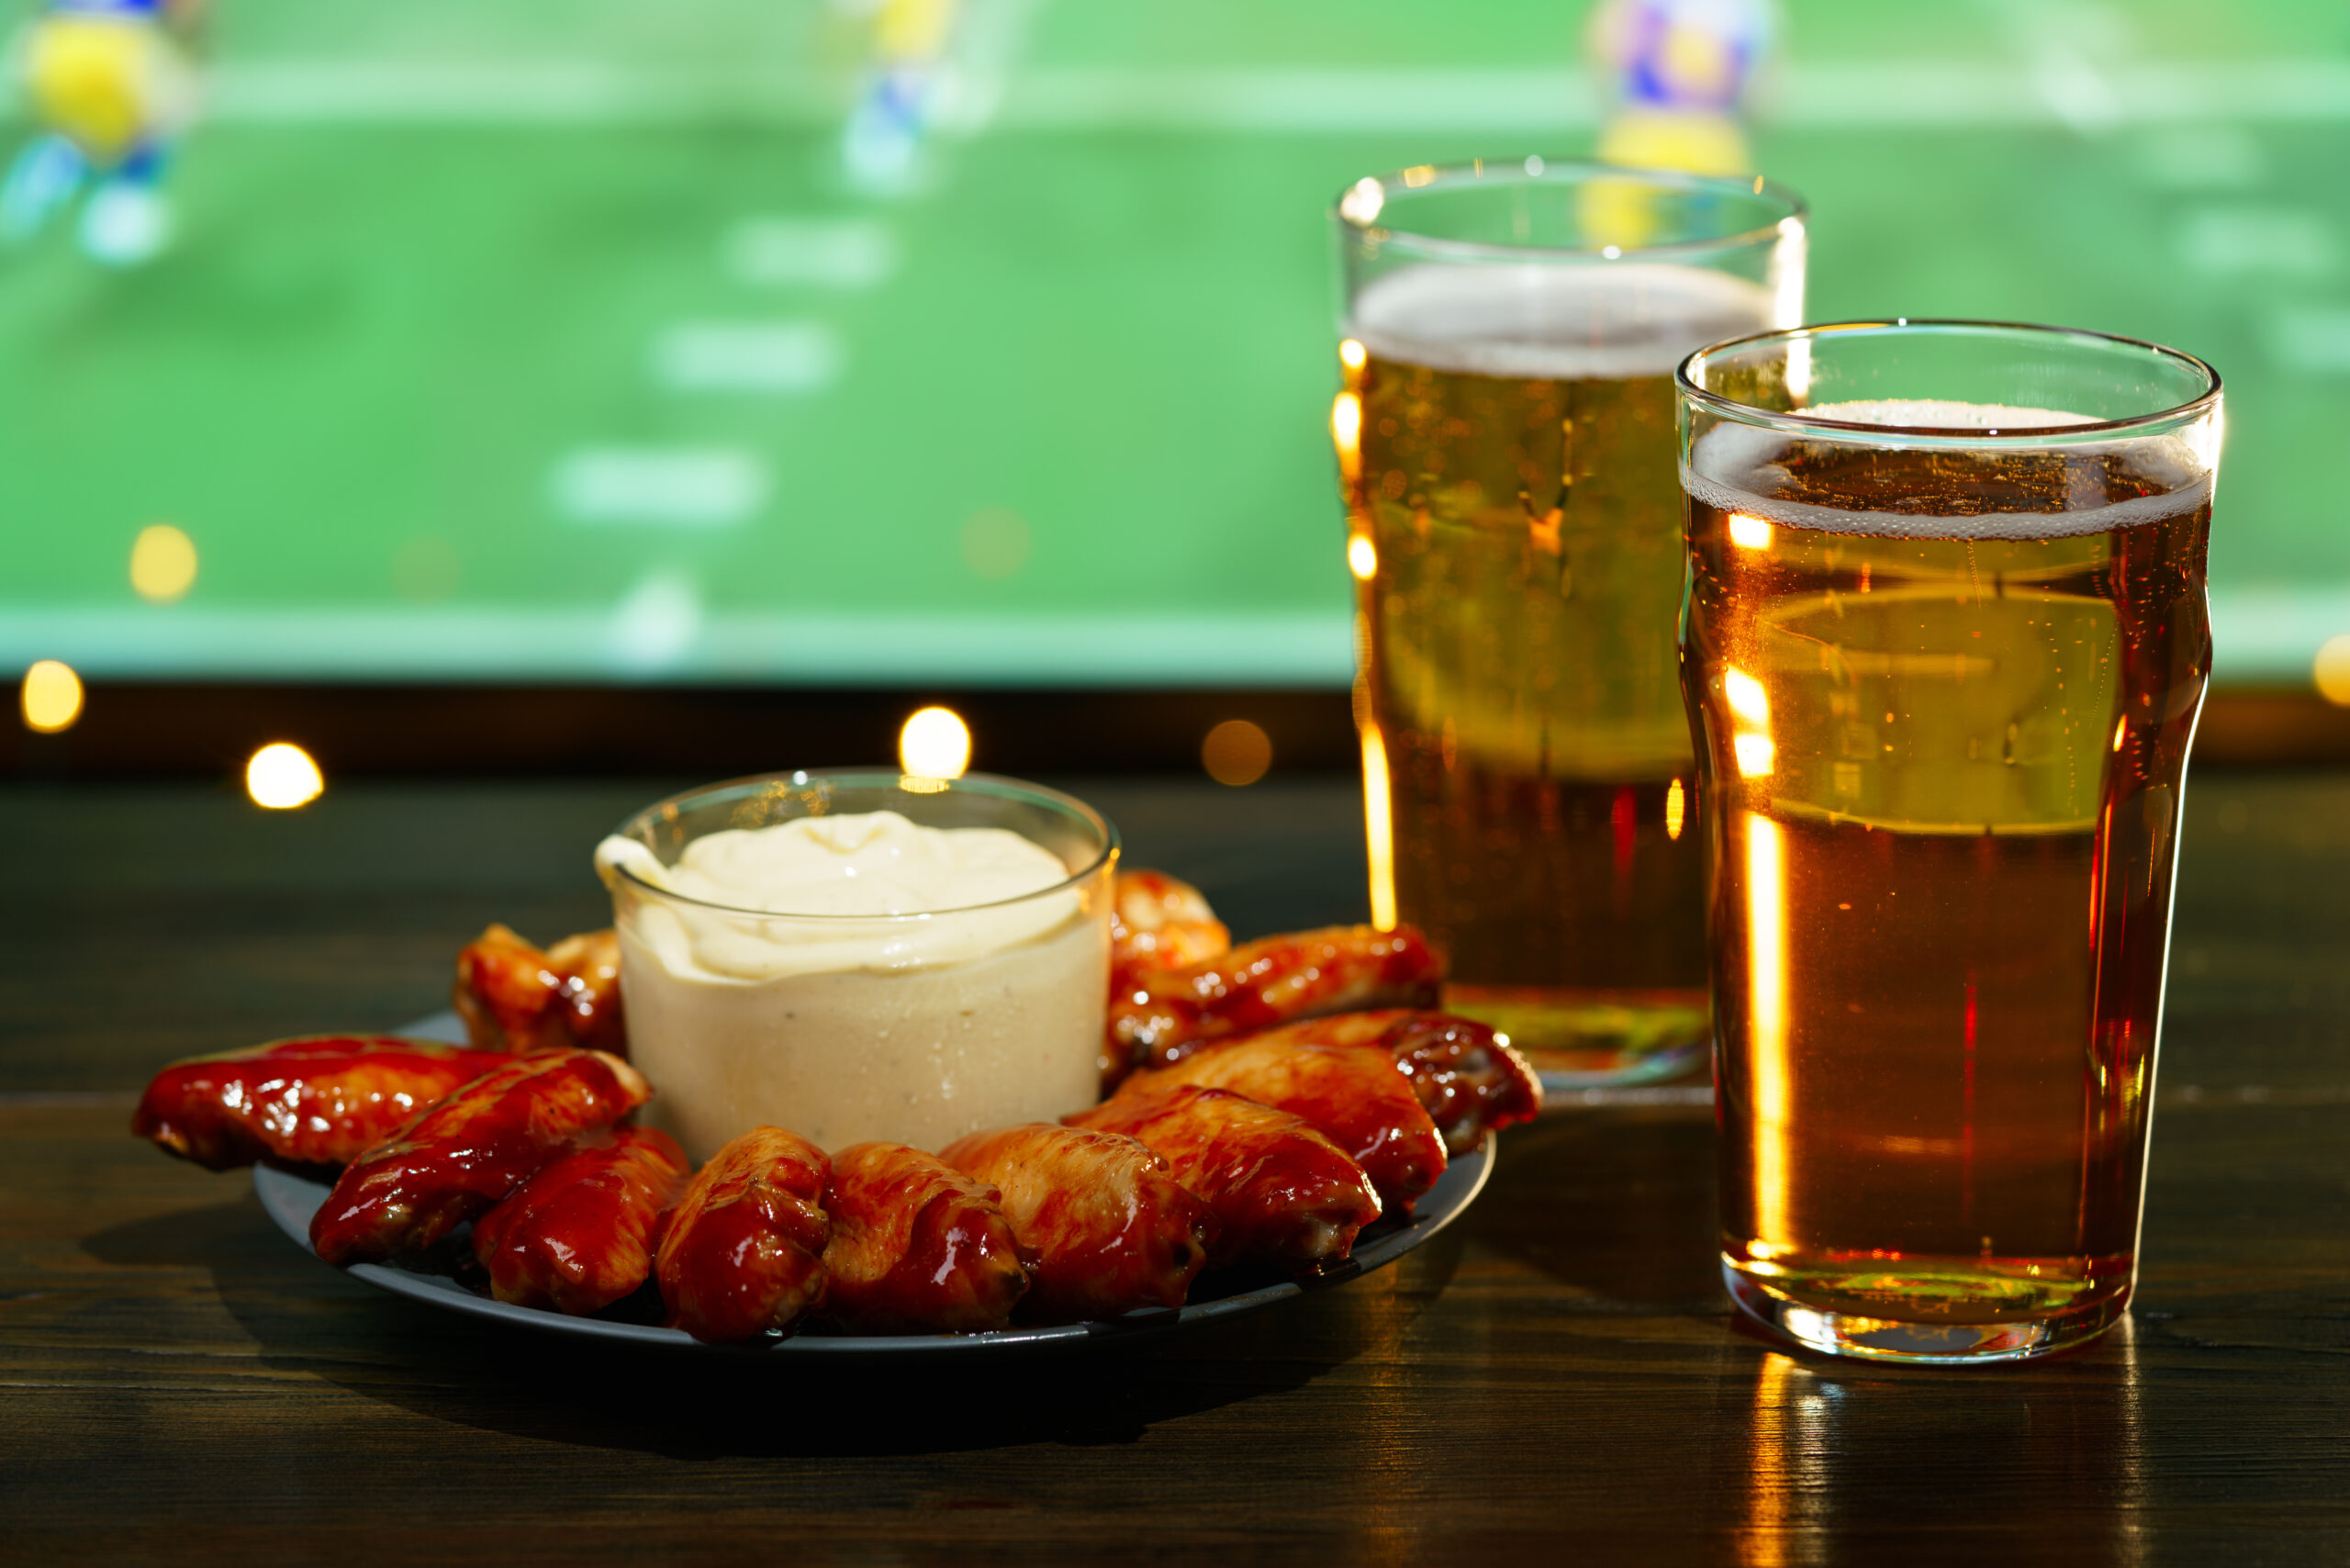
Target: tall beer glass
{"points": [[1943, 646], [1506, 446]]}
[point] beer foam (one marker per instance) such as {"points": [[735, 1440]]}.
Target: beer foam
{"points": [[1734, 467], [1610, 321]]}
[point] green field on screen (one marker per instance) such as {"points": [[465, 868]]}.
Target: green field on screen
{"points": [[529, 341]]}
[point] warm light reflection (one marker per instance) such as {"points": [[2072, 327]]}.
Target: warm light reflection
{"points": [[163, 563], [2332, 670], [935, 744], [1362, 203], [1362, 557], [1421, 174], [1346, 433], [1379, 822], [2121, 731], [1676, 810], [1756, 754], [1767, 987], [281, 776], [1746, 698], [1351, 354], [1798, 364], [1748, 532], [1236, 753], [50, 697]]}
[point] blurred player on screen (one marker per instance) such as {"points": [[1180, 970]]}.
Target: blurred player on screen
{"points": [[1680, 69], [881, 146], [110, 83]]}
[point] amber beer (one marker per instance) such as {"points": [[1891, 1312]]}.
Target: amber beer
{"points": [[1947, 698], [1516, 530]]}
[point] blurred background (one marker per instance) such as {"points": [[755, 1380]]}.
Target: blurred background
{"points": [[535, 383]]}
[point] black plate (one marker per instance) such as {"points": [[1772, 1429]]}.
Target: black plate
{"points": [[291, 1199]]}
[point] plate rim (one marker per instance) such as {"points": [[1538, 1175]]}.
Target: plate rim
{"points": [[290, 1198]]}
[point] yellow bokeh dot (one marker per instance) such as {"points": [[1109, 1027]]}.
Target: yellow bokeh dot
{"points": [[163, 563], [1362, 557], [1236, 752], [281, 776], [2332, 670], [50, 697], [935, 744]]}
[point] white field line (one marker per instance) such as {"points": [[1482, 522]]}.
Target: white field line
{"points": [[665, 486], [759, 358], [2263, 634], [1078, 98], [660, 629]]}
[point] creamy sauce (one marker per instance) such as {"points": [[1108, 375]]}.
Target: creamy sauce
{"points": [[859, 976]]}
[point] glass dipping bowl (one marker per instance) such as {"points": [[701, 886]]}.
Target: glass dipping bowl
{"points": [[916, 1027]]}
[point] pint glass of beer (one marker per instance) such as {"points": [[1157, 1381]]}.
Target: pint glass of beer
{"points": [[1506, 445], [1943, 646]]}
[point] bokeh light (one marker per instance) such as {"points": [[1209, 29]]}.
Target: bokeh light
{"points": [[281, 776], [935, 744], [50, 697], [1236, 753], [163, 563], [1362, 557], [2332, 670]]}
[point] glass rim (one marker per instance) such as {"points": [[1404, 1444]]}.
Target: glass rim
{"points": [[992, 785], [1795, 423], [1501, 171]]}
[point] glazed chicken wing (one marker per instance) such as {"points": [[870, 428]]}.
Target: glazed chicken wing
{"points": [[1112, 1230], [1469, 1081], [576, 1237], [320, 1100], [745, 1250], [1354, 1096], [1159, 923], [1282, 1192], [468, 1152], [918, 1248], [513, 997], [1277, 980]]}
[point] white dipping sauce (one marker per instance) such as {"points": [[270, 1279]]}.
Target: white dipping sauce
{"points": [[830, 1018]]}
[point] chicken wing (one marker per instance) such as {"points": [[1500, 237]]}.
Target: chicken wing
{"points": [[574, 1238], [513, 997], [1354, 1096], [1159, 923], [1469, 1081], [454, 1162], [320, 1100], [918, 1248], [1282, 1192], [1112, 1230], [744, 1249], [1277, 980]]}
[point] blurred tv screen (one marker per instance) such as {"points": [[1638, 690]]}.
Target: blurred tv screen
{"points": [[586, 339]]}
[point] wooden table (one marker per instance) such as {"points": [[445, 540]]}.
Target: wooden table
{"points": [[177, 1381]]}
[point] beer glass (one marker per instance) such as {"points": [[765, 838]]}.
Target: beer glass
{"points": [[1505, 447], [1943, 646]]}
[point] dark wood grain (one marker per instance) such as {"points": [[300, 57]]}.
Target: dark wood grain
{"points": [[177, 1381]]}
